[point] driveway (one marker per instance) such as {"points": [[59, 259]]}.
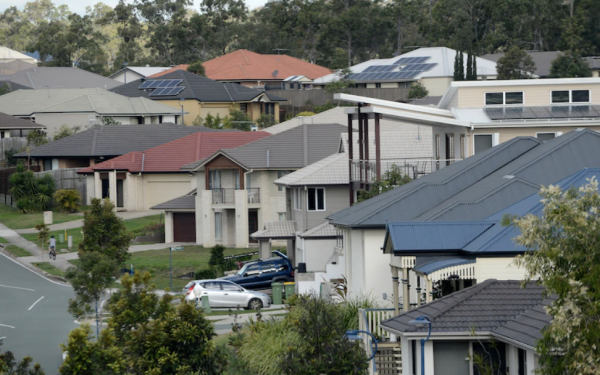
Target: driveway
{"points": [[33, 314]]}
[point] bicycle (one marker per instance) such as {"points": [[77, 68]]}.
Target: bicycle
{"points": [[52, 254]]}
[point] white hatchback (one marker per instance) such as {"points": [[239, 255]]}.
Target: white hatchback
{"points": [[225, 294]]}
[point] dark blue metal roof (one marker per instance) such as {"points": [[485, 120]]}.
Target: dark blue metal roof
{"points": [[430, 267], [434, 236]]}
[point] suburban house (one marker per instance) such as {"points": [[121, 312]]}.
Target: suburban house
{"points": [[102, 143], [496, 320], [256, 70], [83, 108], [57, 78], [432, 67], [12, 61], [501, 110], [141, 179], [200, 96], [11, 127], [469, 190], [235, 192], [134, 73]]}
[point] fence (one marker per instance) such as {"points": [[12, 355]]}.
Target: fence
{"points": [[16, 143], [388, 358], [304, 100], [68, 179]]}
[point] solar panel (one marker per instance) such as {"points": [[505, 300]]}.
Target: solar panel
{"points": [[541, 112], [423, 59], [167, 91], [176, 90], [494, 113], [582, 111], [174, 82], [370, 69], [400, 61], [411, 74], [560, 112], [145, 85], [513, 113], [354, 76]]}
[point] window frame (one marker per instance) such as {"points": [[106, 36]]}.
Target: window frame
{"points": [[297, 199], [570, 91], [495, 139], [316, 189], [504, 98], [556, 134]]}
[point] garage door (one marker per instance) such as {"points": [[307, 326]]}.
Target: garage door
{"points": [[184, 227]]}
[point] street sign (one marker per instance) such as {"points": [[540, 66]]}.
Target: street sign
{"points": [[177, 248]]}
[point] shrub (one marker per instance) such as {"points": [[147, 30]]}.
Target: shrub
{"points": [[10, 156], [68, 200], [36, 138], [31, 192], [305, 114], [417, 91], [205, 274], [265, 121]]}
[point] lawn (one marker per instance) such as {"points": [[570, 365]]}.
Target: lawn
{"points": [[3, 240], [13, 219], [134, 226], [50, 269], [193, 258], [17, 251]]}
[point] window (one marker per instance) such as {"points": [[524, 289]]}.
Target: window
{"points": [[214, 181], [282, 267], [547, 136], [281, 216], [279, 175], [230, 287], [297, 204], [378, 85], [236, 178], [244, 107], [482, 142], [571, 96], [437, 146], [503, 98], [252, 270], [268, 267], [316, 199], [269, 108], [218, 226], [213, 285]]}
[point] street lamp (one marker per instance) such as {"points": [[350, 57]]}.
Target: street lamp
{"points": [[181, 100], [352, 335], [421, 321]]}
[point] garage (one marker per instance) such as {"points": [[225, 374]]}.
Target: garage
{"points": [[184, 227]]}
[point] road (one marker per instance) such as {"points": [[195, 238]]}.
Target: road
{"points": [[33, 315]]}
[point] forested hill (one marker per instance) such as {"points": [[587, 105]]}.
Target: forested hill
{"points": [[332, 33]]}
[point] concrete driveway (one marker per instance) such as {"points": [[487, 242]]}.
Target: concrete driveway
{"points": [[33, 314]]}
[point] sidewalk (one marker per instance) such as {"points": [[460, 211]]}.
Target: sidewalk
{"points": [[223, 323], [79, 223]]}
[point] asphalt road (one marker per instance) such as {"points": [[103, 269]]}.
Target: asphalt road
{"points": [[33, 315]]}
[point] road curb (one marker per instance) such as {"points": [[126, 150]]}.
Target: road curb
{"points": [[34, 268]]}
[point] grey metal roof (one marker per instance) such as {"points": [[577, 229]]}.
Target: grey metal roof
{"points": [[59, 78], [114, 140], [542, 60], [291, 149], [197, 87], [434, 236], [322, 230], [276, 229], [11, 122], [481, 185], [333, 170], [186, 202], [430, 266], [408, 201], [498, 307]]}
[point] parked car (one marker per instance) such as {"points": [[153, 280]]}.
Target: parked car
{"points": [[260, 274], [222, 293]]}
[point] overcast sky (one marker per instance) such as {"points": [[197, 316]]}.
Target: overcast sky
{"points": [[78, 6]]}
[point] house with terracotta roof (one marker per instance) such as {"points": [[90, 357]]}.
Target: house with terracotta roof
{"points": [[141, 179], [196, 96], [253, 69]]}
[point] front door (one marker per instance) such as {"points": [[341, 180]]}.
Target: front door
{"points": [[120, 193], [252, 224], [451, 358]]}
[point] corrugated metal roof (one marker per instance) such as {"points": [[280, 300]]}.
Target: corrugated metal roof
{"points": [[435, 265], [59, 78], [322, 230], [502, 308], [276, 229], [434, 236]]}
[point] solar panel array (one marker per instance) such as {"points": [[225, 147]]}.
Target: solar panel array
{"points": [[548, 112], [404, 68], [160, 83], [167, 91]]}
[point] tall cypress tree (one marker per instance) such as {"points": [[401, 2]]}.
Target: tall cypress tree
{"points": [[469, 67], [461, 67], [474, 68], [456, 66]]}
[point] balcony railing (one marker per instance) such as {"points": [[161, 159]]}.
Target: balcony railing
{"points": [[365, 171], [253, 195], [224, 196]]}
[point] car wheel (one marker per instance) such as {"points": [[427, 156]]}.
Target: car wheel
{"points": [[255, 304]]}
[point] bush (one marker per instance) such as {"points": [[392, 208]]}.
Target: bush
{"points": [[417, 91], [68, 200], [32, 193], [10, 156], [36, 138], [305, 114], [205, 274], [325, 107], [265, 121]]}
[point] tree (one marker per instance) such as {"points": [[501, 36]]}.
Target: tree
{"points": [[569, 65], [469, 76], [9, 366], [36, 138], [417, 91], [146, 334], [32, 193], [516, 64], [221, 20], [102, 252], [237, 120], [265, 121], [197, 68], [341, 83], [65, 131], [391, 179], [210, 121], [5, 88], [563, 252]]}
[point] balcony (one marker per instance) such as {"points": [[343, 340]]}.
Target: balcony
{"points": [[227, 195], [365, 171]]}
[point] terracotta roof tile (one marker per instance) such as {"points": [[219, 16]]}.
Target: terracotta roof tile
{"points": [[247, 65], [170, 157]]}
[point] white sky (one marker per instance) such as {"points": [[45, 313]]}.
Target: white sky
{"points": [[78, 6]]}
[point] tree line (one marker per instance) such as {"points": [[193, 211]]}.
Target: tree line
{"points": [[332, 33]]}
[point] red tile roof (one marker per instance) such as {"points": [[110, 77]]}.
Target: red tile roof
{"points": [[176, 67], [247, 65], [170, 157]]}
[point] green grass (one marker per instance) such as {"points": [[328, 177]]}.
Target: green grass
{"points": [[193, 258], [50, 269], [3, 240], [241, 312], [134, 226], [17, 251], [13, 219]]}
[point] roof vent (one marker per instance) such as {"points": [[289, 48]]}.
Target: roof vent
{"points": [[275, 73], [508, 176]]}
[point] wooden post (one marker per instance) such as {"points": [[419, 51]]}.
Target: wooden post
{"points": [[360, 148], [396, 291], [377, 147], [367, 166], [350, 157], [405, 293]]}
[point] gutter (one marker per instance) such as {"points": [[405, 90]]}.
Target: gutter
{"points": [[143, 160]]}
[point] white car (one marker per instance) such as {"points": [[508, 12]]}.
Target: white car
{"points": [[223, 293]]}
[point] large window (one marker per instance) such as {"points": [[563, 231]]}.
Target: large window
{"points": [[214, 181], [571, 96], [483, 142], [297, 204], [316, 199], [503, 98]]}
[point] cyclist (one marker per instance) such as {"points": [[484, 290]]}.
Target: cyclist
{"points": [[52, 247]]}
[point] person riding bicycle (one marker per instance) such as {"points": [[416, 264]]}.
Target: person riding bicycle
{"points": [[52, 247]]}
